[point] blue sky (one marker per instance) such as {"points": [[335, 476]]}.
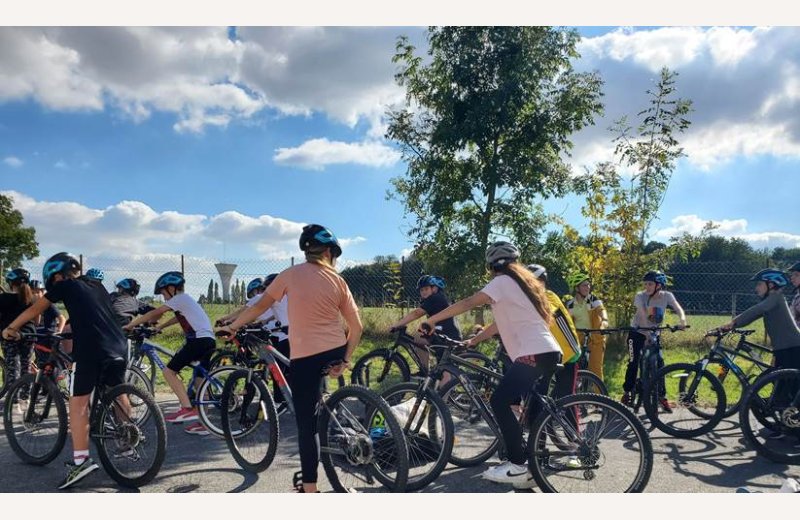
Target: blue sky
{"points": [[183, 141]]}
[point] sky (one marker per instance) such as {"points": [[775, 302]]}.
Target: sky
{"points": [[223, 142]]}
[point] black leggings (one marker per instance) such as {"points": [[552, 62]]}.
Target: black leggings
{"points": [[283, 348], [636, 343], [516, 383], [306, 392], [17, 356]]}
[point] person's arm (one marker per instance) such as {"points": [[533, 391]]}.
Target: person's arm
{"points": [[61, 321], [408, 318], [679, 311], [750, 315], [29, 314], [460, 307], [233, 315], [485, 334], [153, 315], [354, 330], [169, 323], [641, 311], [250, 313]]}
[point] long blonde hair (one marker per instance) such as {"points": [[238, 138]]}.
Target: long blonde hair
{"points": [[315, 255], [532, 287]]}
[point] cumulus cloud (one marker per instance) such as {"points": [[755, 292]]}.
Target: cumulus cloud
{"points": [[14, 162], [315, 154], [736, 228]]}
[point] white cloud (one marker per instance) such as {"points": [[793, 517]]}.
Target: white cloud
{"points": [[61, 164], [315, 154], [14, 162], [736, 228]]}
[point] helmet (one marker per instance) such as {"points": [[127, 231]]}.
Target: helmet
{"points": [[130, 285], [35, 285], [575, 279], [795, 267], [430, 281], [501, 253], [655, 276], [174, 278], [18, 276], [316, 235], [59, 263], [95, 274], [775, 276], [255, 283], [538, 271], [269, 279]]}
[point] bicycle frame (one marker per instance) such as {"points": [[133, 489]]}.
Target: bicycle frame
{"points": [[150, 348], [726, 356]]}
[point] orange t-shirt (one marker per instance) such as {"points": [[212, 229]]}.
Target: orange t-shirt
{"points": [[318, 297]]}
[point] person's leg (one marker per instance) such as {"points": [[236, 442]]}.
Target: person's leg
{"points": [[182, 358], [517, 382], [11, 356], [597, 356], [635, 343], [84, 379]]}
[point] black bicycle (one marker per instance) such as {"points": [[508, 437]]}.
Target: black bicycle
{"points": [[361, 446], [770, 415], [126, 425]]}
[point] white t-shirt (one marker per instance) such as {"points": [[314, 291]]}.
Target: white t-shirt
{"points": [[191, 317], [278, 312], [522, 328], [651, 310]]}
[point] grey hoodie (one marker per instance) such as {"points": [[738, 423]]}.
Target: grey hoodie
{"points": [[778, 320]]}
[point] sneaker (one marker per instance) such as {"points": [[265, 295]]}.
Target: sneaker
{"points": [[790, 485], [196, 429], [574, 463], [665, 406], [627, 399], [77, 472], [182, 415], [528, 484], [508, 473]]}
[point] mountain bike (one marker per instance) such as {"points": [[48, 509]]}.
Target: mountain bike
{"points": [[769, 415]]}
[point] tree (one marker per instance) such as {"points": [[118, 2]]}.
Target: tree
{"points": [[235, 292], [486, 124], [17, 242], [210, 293], [217, 299]]}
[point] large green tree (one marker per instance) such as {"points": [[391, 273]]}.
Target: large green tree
{"points": [[484, 132], [17, 242]]}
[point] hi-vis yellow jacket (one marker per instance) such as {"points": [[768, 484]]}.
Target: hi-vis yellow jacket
{"points": [[597, 314]]}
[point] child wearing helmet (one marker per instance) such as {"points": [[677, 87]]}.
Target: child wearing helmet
{"points": [[95, 274], [99, 353], [588, 312], [522, 317], [651, 305], [17, 354], [125, 302], [794, 277], [199, 346]]}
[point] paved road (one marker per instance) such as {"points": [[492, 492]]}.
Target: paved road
{"points": [[719, 462]]}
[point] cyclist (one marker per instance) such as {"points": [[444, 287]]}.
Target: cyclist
{"points": [[95, 274], [51, 320], [199, 346], [318, 299], [794, 277], [588, 312], [125, 302], [99, 349], [522, 317], [17, 354], [651, 305], [432, 300]]}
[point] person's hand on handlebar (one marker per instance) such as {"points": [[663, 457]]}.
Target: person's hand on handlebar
{"points": [[727, 327], [226, 332], [11, 334], [427, 327]]}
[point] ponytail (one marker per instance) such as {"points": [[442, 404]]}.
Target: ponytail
{"points": [[531, 286], [24, 293]]}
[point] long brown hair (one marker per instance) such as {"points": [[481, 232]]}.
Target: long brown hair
{"points": [[24, 292], [531, 286]]}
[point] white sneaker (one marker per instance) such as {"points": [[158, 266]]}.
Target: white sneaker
{"points": [[790, 485], [528, 484], [508, 473]]}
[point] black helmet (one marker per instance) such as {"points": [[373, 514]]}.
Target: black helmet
{"points": [[269, 279], [538, 271], [795, 267], [655, 276], [59, 263], [316, 235], [174, 278], [129, 285], [18, 275]]}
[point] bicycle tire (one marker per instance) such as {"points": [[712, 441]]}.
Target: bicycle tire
{"points": [[2, 377], [370, 366], [733, 384], [439, 440], [52, 398], [125, 433], [682, 373], [587, 382], [466, 413], [763, 409], [209, 399], [540, 459], [136, 377], [150, 369], [237, 437], [374, 406]]}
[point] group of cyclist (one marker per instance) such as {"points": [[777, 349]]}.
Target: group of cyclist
{"points": [[539, 333]]}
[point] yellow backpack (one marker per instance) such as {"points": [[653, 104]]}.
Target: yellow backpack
{"points": [[563, 329]]}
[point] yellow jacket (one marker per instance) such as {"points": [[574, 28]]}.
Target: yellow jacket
{"points": [[597, 315], [563, 329]]}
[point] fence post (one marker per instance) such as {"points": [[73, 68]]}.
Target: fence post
{"points": [[183, 265], [81, 262], [292, 260], [733, 305], [402, 287]]}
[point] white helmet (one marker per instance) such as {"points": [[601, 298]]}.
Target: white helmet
{"points": [[501, 253]]}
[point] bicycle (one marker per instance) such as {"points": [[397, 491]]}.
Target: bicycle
{"points": [[575, 457], [361, 447], [770, 415], [588, 381], [205, 394], [123, 439]]}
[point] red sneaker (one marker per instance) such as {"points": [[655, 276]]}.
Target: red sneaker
{"points": [[182, 415]]}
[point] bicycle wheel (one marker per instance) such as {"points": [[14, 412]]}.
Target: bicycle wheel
{"points": [[608, 451], [37, 434], [131, 442], [474, 442], [380, 369], [588, 382], [429, 431], [209, 399], [691, 413], [2, 377], [148, 368], [733, 385], [769, 416], [134, 376], [252, 430], [359, 455]]}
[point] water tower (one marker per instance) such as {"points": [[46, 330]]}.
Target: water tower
{"points": [[225, 274]]}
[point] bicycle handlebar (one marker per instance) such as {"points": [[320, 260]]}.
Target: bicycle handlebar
{"points": [[718, 333], [602, 332], [671, 328], [48, 335]]}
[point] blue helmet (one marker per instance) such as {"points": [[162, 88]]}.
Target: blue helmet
{"points": [[95, 274], [255, 283], [775, 276], [430, 281], [174, 278], [129, 285], [35, 285], [655, 276], [59, 263], [18, 276], [316, 235]]}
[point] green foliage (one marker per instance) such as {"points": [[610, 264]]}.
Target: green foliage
{"points": [[17, 242]]}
